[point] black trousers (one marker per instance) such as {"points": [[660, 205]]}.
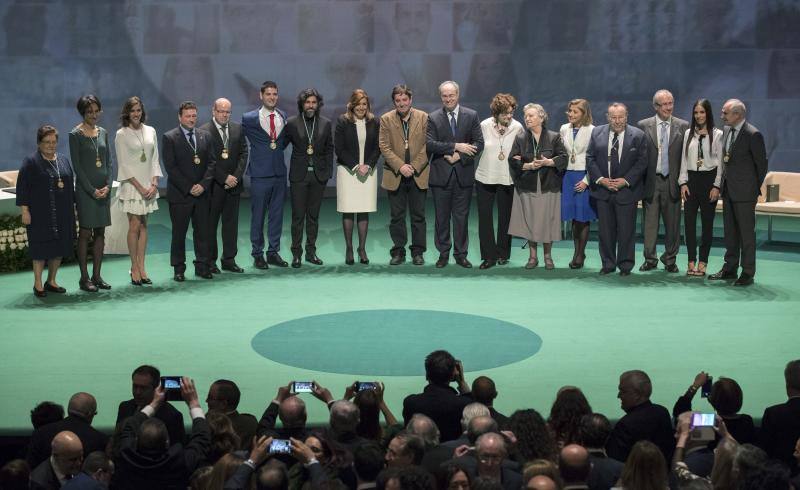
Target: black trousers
{"points": [[700, 185], [407, 196], [740, 235], [224, 205], [451, 203], [491, 248], [196, 211], [617, 229], [306, 197]]}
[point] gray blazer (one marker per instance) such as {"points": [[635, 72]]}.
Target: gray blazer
{"points": [[677, 129]]}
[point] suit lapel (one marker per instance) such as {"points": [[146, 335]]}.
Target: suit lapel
{"points": [[652, 130], [626, 145], [460, 122]]}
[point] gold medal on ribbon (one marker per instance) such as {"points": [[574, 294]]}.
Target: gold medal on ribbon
{"points": [[143, 158], [501, 156], [699, 162], [406, 144], [572, 158], [224, 154], [98, 163], [196, 160], [310, 150], [60, 184], [727, 157], [273, 145]]}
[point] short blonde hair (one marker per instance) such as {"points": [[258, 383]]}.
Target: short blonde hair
{"points": [[538, 108], [583, 106]]}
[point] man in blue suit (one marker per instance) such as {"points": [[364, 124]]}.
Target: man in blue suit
{"points": [[454, 137], [263, 128], [617, 162]]}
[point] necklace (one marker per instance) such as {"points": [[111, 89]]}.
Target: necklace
{"points": [[143, 157], [502, 131], [310, 149], [56, 168]]}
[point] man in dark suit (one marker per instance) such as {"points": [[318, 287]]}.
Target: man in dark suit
{"points": [[485, 392], [744, 166], [643, 419], [439, 401], [264, 129], [82, 408], [230, 152], [65, 461], [574, 466], [662, 198], [223, 396], [593, 432], [489, 461], [454, 137], [148, 460], [310, 168], [780, 425], [190, 163], [145, 379], [616, 161], [292, 412]]}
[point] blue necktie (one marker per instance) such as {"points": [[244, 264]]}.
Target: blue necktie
{"points": [[453, 123], [190, 137], [664, 150]]}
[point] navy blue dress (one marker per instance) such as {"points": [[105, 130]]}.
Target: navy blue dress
{"points": [[51, 233]]}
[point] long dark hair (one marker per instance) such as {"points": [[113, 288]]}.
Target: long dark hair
{"points": [[304, 95], [709, 123]]}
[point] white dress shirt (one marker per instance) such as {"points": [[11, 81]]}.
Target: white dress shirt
{"points": [[491, 170], [712, 156], [263, 118]]}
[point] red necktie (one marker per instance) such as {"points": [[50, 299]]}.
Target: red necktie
{"points": [[272, 127]]}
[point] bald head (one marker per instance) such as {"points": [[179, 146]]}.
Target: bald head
{"points": [[541, 482], [292, 412], [425, 428], [345, 416], [221, 110], [83, 405], [480, 425], [574, 465], [67, 452]]}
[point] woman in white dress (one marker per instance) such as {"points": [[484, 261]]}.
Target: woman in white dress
{"points": [[139, 169], [357, 153]]}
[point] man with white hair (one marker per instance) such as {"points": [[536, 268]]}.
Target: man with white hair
{"points": [[469, 413], [744, 166], [64, 462]]}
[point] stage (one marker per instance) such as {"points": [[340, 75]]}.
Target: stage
{"points": [[532, 331]]}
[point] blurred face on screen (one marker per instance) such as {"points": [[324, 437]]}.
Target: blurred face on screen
{"points": [[413, 23], [402, 103], [269, 97]]}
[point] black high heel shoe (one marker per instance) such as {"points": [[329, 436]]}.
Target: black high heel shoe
{"points": [[133, 281], [362, 256], [348, 256]]}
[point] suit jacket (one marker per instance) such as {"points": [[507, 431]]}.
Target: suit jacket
{"points": [[632, 164], [744, 172], [441, 142], [677, 129], [346, 143], [83, 481], [237, 154], [43, 477], [605, 471], [168, 470], [245, 426], [443, 404], [510, 479], [780, 429], [321, 160], [39, 446], [263, 160], [166, 413], [550, 146], [646, 421], [392, 148], [182, 172]]}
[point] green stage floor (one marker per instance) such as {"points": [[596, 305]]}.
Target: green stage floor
{"points": [[531, 331]]}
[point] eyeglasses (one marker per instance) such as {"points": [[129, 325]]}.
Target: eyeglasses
{"points": [[490, 458]]}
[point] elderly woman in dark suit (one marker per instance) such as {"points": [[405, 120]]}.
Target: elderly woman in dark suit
{"points": [[45, 196], [537, 161], [357, 152]]}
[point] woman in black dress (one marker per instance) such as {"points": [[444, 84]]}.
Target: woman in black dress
{"points": [[46, 198]]}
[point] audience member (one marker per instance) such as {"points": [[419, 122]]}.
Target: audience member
{"points": [[542, 467], [438, 400], [593, 433], [405, 450], [200, 478], [368, 461], [223, 469], [223, 396], [644, 469], [726, 398], [46, 413], [541, 482], [344, 419], [772, 475], [534, 440], [82, 408], [224, 439], [291, 410], [371, 405], [145, 379], [490, 454], [148, 459], [565, 414], [575, 467], [643, 419], [454, 477], [96, 474], [780, 425], [405, 478], [274, 476], [693, 458], [485, 392], [486, 483], [15, 475], [336, 461], [467, 414], [747, 460], [64, 462]]}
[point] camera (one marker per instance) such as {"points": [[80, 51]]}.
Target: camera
{"points": [[303, 387], [280, 446], [172, 388], [703, 426], [365, 385], [706, 389]]}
